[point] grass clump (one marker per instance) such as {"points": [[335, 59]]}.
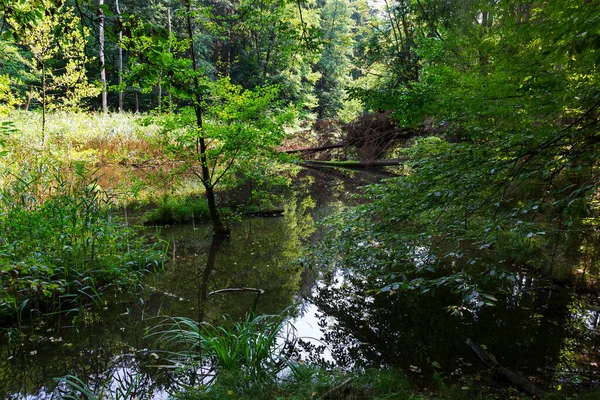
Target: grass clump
{"points": [[173, 210], [250, 346], [256, 359], [59, 241]]}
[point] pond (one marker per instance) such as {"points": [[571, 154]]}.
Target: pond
{"points": [[546, 333], [106, 343]]}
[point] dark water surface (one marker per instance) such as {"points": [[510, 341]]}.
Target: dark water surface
{"points": [[541, 331]]}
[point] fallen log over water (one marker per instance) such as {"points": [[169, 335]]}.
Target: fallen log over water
{"points": [[316, 149], [513, 377], [265, 214], [357, 164]]}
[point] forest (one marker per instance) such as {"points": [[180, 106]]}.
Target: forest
{"points": [[299, 199]]}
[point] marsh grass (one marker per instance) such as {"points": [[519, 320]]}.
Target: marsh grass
{"points": [[59, 242], [254, 346], [71, 387], [97, 139], [177, 209]]}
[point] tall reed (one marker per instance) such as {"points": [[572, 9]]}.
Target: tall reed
{"points": [[58, 238]]}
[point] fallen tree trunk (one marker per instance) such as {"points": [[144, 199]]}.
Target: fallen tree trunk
{"points": [[342, 173], [388, 136], [357, 164], [513, 377], [316, 149]]}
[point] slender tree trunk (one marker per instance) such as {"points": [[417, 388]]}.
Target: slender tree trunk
{"points": [[137, 102], [170, 33], [29, 95], [120, 59], [201, 149], [228, 67], [44, 103], [159, 94], [101, 56], [269, 50]]}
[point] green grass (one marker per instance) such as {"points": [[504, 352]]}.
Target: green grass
{"points": [[250, 346], [60, 243], [177, 209], [94, 138]]}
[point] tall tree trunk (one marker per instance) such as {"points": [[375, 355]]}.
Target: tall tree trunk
{"points": [[44, 103], [170, 33], [120, 58], [101, 56], [159, 94], [201, 148]]}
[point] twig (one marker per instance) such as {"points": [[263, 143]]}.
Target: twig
{"points": [[242, 289]]}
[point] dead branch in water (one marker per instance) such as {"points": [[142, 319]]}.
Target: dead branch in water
{"points": [[513, 377]]}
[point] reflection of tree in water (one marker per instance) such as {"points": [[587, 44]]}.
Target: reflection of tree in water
{"points": [[329, 185], [530, 330], [255, 255], [109, 345]]}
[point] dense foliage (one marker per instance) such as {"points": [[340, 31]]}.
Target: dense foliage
{"points": [[60, 243], [506, 176], [303, 47]]}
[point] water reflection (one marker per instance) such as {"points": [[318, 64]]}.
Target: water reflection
{"points": [[540, 331], [106, 347], [535, 329]]}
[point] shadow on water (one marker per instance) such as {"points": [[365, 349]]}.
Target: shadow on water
{"points": [[545, 333]]}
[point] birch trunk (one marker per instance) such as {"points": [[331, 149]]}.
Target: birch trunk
{"points": [[101, 56]]}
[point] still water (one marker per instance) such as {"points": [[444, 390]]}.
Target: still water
{"points": [[545, 333]]}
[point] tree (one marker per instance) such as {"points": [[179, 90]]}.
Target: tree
{"points": [[267, 42], [57, 48], [508, 178], [335, 62], [219, 123], [120, 67], [101, 55]]}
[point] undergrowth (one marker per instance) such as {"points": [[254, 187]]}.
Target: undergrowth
{"points": [[250, 346], [173, 210], [97, 139], [59, 242]]}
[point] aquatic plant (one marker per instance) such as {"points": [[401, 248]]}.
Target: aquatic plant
{"points": [[60, 242], [250, 346], [74, 388]]}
